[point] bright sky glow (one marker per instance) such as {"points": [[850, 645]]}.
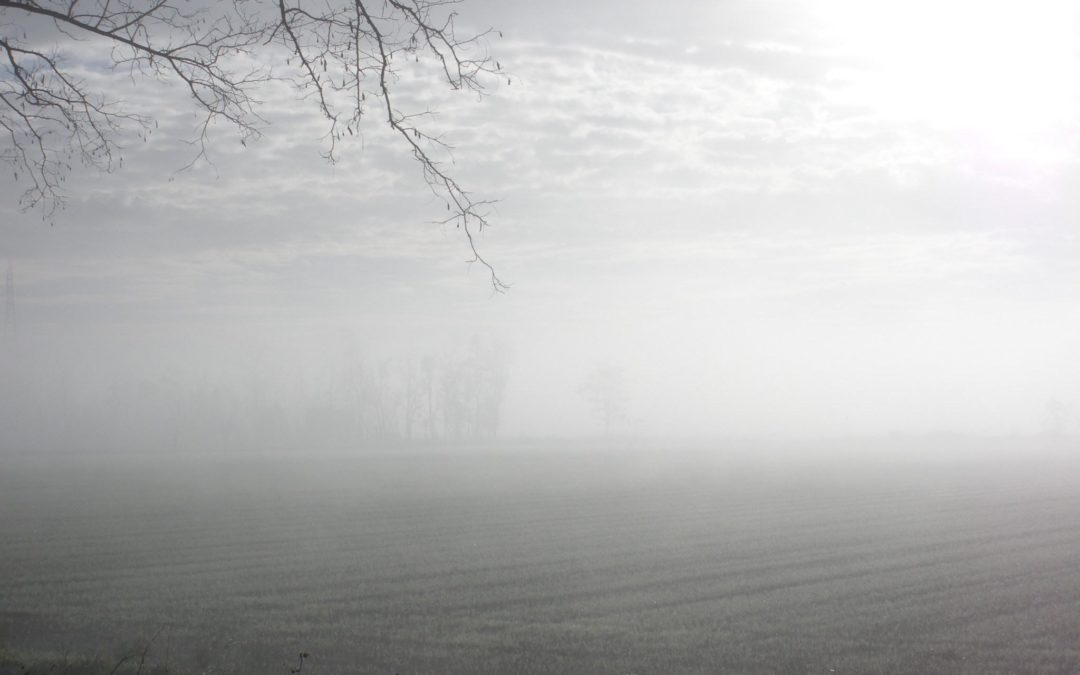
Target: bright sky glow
{"points": [[1003, 70]]}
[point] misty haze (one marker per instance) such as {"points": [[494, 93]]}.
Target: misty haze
{"points": [[518, 337]]}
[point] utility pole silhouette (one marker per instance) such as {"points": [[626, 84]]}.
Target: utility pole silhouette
{"points": [[10, 325]]}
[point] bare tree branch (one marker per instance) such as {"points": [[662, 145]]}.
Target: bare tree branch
{"points": [[343, 54]]}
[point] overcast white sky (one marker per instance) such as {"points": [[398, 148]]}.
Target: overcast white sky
{"points": [[781, 218]]}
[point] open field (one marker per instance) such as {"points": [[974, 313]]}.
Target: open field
{"points": [[520, 561]]}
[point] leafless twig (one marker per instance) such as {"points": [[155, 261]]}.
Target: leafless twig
{"points": [[344, 55]]}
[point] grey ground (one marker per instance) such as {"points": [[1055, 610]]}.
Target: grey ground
{"points": [[520, 560]]}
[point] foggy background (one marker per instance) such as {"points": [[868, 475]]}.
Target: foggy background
{"points": [[775, 221], [785, 379]]}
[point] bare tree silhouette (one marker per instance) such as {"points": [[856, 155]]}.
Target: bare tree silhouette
{"points": [[605, 391], [345, 57]]}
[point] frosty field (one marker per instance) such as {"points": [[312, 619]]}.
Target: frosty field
{"points": [[519, 560]]}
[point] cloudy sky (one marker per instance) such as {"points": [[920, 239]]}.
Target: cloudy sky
{"points": [[779, 218]]}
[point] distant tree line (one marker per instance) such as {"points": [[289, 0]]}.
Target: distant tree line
{"points": [[450, 396], [447, 397]]}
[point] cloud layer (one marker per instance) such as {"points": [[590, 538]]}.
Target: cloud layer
{"points": [[715, 198]]}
